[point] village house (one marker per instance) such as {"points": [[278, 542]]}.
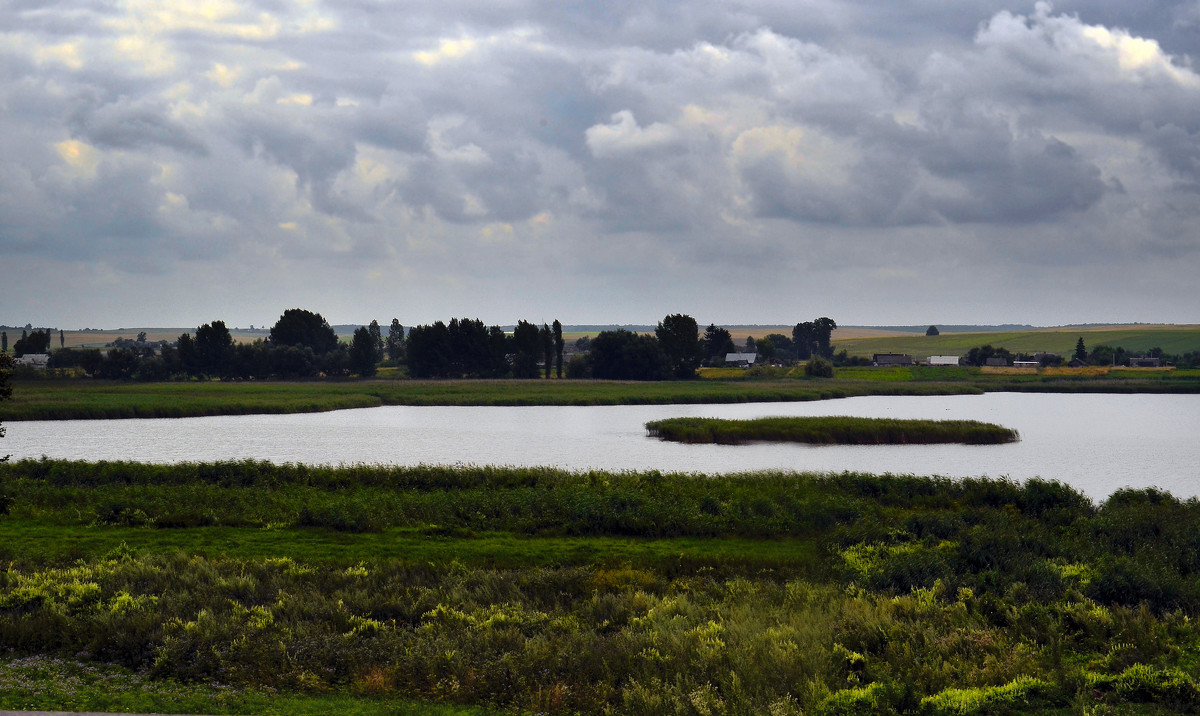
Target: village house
{"points": [[882, 359], [740, 360], [943, 360]]}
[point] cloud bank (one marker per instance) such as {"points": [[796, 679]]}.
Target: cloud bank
{"points": [[174, 163]]}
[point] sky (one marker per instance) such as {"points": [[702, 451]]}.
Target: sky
{"points": [[171, 162]]}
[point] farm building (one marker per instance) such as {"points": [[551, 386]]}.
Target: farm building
{"points": [[1144, 362], [37, 361], [1025, 364], [942, 360], [891, 359], [740, 360], [997, 362]]}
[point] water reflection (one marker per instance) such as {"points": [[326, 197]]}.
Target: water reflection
{"points": [[1096, 442]]}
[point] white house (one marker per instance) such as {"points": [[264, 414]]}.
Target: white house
{"points": [[943, 360]]}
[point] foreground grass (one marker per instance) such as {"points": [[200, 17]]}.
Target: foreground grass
{"points": [[373, 590], [88, 399], [835, 430]]}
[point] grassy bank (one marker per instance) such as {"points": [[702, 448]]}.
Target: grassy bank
{"points": [[91, 399], [833, 430], [527, 590]]}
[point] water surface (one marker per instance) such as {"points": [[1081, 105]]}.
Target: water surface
{"points": [[1095, 442]]}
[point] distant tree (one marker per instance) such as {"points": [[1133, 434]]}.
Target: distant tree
{"points": [[395, 341], [214, 349], [679, 337], [717, 342], [979, 355], [32, 343], [547, 339], [751, 345], [784, 349], [1080, 350], [931, 331], [623, 355], [4, 341], [583, 344], [527, 346], [377, 336], [1107, 355], [141, 337], [429, 351], [118, 364], [765, 349], [823, 332], [363, 351], [62, 339], [559, 345], [298, 327]]}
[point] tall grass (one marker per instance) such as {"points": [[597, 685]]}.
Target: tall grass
{"points": [[635, 593], [833, 430]]}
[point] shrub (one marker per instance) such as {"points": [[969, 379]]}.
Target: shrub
{"points": [[818, 368]]}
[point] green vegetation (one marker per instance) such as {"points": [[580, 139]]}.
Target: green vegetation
{"points": [[46, 399], [1062, 340], [833, 430], [289, 589]]}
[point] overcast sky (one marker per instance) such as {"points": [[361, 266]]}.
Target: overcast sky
{"points": [[172, 162]]}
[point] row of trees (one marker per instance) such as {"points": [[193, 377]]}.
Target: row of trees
{"points": [[465, 348], [302, 344], [31, 343]]}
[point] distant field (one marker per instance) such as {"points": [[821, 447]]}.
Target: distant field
{"points": [[1172, 339]]}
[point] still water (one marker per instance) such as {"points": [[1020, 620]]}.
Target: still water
{"points": [[1097, 443]]}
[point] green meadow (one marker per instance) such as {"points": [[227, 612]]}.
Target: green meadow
{"points": [[50, 399], [1061, 340], [247, 587]]}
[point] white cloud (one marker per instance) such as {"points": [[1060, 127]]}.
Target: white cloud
{"points": [[623, 136]]}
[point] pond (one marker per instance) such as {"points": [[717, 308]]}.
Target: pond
{"points": [[1095, 442]]}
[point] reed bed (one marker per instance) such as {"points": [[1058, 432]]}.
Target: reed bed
{"points": [[832, 430]]}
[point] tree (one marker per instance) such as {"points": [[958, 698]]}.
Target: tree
{"points": [[395, 341], [559, 345], [214, 350], [717, 342], [363, 351], [527, 346], [931, 331], [823, 333], [547, 349], [4, 341], [141, 337], [377, 336], [62, 339], [32, 343], [298, 327], [679, 337], [623, 355], [1080, 350]]}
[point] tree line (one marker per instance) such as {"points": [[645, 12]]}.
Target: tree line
{"points": [[302, 344]]}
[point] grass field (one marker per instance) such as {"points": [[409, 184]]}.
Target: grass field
{"points": [[246, 587], [1136, 339], [46, 399]]}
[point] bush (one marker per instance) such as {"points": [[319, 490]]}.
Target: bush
{"points": [[818, 368]]}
